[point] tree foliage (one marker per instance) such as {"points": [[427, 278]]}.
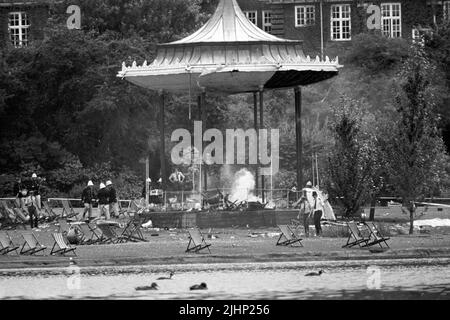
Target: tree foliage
{"points": [[415, 149], [352, 160]]}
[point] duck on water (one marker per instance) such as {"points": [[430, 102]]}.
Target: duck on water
{"points": [[167, 278], [314, 274], [153, 286], [201, 286]]}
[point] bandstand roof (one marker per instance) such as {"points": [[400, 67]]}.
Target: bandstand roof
{"points": [[229, 54]]}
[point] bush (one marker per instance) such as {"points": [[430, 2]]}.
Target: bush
{"points": [[376, 52]]}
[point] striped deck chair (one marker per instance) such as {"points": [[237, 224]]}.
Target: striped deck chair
{"points": [[197, 240], [62, 245], [375, 236], [356, 235], [68, 212], [6, 244], [89, 235], [32, 243], [288, 237], [109, 235]]}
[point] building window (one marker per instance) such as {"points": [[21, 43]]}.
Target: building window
{"points": [[252, 16], [18, 27], [446, 9], [391, 21], [341, 22], [267, 21], [305, 16]]}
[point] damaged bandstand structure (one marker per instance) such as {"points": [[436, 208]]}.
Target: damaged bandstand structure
{"points": [[230, 55]]}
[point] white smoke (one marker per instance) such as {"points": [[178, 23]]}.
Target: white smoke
{"points": [[243, 186]]}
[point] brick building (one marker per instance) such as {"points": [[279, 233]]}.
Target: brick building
{"points": [[22, 21], [327, 24], [332, 24]]}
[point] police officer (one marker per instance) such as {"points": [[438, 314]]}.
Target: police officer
{"points": [[35, 189], [103, 201], [113, 202], [87, 196]]}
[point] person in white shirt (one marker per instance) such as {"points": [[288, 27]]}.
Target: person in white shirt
{"points": [[317, 212]]}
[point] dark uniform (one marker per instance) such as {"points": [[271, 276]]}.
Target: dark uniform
{"points": [[113, 205], [88, 196], [34, 204], [103, 201]]}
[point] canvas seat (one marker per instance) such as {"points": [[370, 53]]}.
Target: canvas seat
{"points": [[375, 236], [68, 211], [89, 236], [288, 237], [132, 231], [6, 244], [196, 241], [62, 245], [355, 236], [32, 243], [109, 234]]}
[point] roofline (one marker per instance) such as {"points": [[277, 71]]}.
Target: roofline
{"points": [[13, 3], [221, 43]]}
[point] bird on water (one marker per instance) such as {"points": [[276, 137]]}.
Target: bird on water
{"points": [[167, 278], [314, 274], [154, 286], [201, 286]]}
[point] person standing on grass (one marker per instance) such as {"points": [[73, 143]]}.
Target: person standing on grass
{"points": [[103, 201], [87, 197], [304, 213], [35, 189], [113, 204], [317, 212]]}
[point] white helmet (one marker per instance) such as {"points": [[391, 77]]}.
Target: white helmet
{"points": [[309, 184], [34, 175], [90, 183], [108, 183], [149, 180], [102, 185]]}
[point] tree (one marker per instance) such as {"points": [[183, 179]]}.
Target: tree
{"points": [[352, 158], [415, 150]]}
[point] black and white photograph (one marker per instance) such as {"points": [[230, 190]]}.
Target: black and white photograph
{"points": [[242, 151]]}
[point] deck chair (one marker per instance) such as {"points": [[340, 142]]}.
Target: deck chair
{"points": [[197, 240], [375, 236], [89, 236], [6, 244], [356, 235], [288, 237], [123, 210], [32, 243], [132, 231], [20, 214], [50, 214], [8, 217], [68, 211], [62, 245], [109, 235], [64, 227]]}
